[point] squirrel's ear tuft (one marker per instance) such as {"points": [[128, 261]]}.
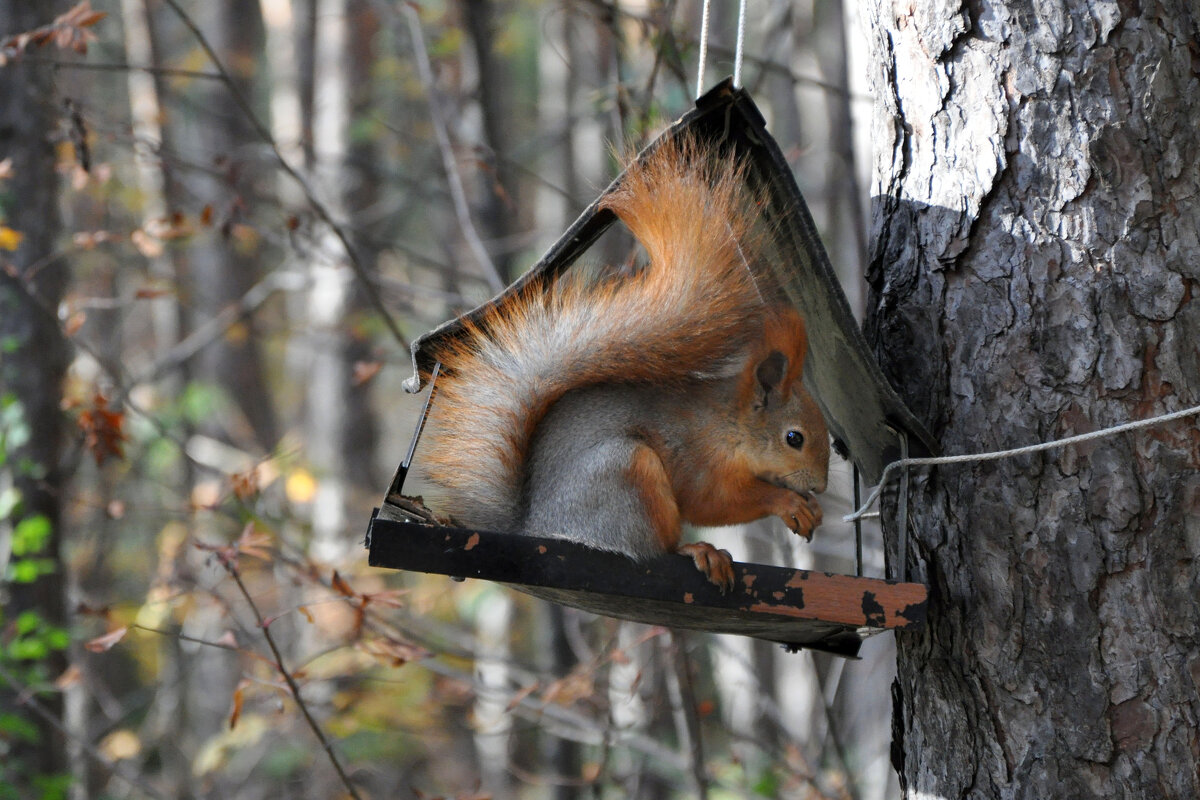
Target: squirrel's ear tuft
{"points": [[770, 373]]}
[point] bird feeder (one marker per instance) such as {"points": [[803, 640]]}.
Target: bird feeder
{"points": [[869, 424]]}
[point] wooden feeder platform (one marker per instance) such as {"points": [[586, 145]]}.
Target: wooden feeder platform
{"points": [[869, 424], [794, 607]]}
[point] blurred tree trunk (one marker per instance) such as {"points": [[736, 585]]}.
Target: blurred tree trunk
{"points": [[495, 95], [216, 268], [221, 264], [340, 423], [1033, 274], [160, 194], [33, 360]]}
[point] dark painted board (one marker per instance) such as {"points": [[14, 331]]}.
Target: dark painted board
{"points": [[794, 607]]}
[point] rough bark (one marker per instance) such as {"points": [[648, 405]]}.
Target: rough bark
{"points": [[1033, 268], [33, 357]]}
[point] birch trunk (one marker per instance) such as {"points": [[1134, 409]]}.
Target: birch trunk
{"points": [[1033, 274]]}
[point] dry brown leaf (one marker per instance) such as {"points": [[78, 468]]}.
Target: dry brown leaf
{"points": [[365, 371], [104, 643], [239, 696], [341, 587]]}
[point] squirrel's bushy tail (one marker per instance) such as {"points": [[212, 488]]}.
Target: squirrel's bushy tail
{"points": [[692, 308]]}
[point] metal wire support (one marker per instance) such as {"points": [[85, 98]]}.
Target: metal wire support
{"points": [[738, 53], [402, 470], [858, 556], [902, 520], [741, 42], [703, 48]]}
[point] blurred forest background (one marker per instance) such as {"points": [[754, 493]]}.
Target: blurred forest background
{"points": [[221, 222]]}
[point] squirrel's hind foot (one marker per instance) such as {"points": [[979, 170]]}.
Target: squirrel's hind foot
{"points": [[717, 565]]}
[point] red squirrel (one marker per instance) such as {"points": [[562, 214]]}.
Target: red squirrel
{"points": [[610, 411]]}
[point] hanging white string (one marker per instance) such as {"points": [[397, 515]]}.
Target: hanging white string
{"points": [[996, 455], [741, 42], [703, 48]]}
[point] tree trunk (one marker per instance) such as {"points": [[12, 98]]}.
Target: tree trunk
{"points": [[33, 360], [1032, 275], [221, 269]]}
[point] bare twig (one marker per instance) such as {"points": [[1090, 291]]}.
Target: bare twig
{"points": [[607, 6], [25, 697], [215, 327], [261, 131], [453, 178], [116, 66], [230, 565], [666, 41]]}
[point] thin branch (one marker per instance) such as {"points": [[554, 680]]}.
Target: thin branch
{"points": [[216, 327], [25, 697], [607, 6], [666, 41], [441, 132], [119, 66], [309, 195], [231, 567]]}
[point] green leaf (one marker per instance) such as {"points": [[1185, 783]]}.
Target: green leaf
{"points": [[56, 638], [31, 534], [53, 787], [30, 649], [200, 401], [22, 572], [14, 726], [28, 622]]}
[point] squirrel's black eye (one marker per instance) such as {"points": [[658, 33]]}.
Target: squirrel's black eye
{"points": [[795, 439]]}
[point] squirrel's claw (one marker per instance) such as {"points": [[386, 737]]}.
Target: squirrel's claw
{"points": [[717, 565], [802, 514]]}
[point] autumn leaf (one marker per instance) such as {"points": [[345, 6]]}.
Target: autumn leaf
{"points": [[392, 652], [147, 245], [339, 584], [103, 429], [104, 643], [389, 598], [71, 676], [67, 32], [365, 371], [239, 696], [9, 239], [254, 543], [521, 694], [73, 323], [245, 484], [88, 240]]}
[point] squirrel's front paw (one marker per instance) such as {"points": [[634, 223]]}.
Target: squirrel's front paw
{"points": [[717, 565], [801, 513]]}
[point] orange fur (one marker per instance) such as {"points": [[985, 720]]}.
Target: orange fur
{"points": [[686, 311], [719, 455], [647, 473]]}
